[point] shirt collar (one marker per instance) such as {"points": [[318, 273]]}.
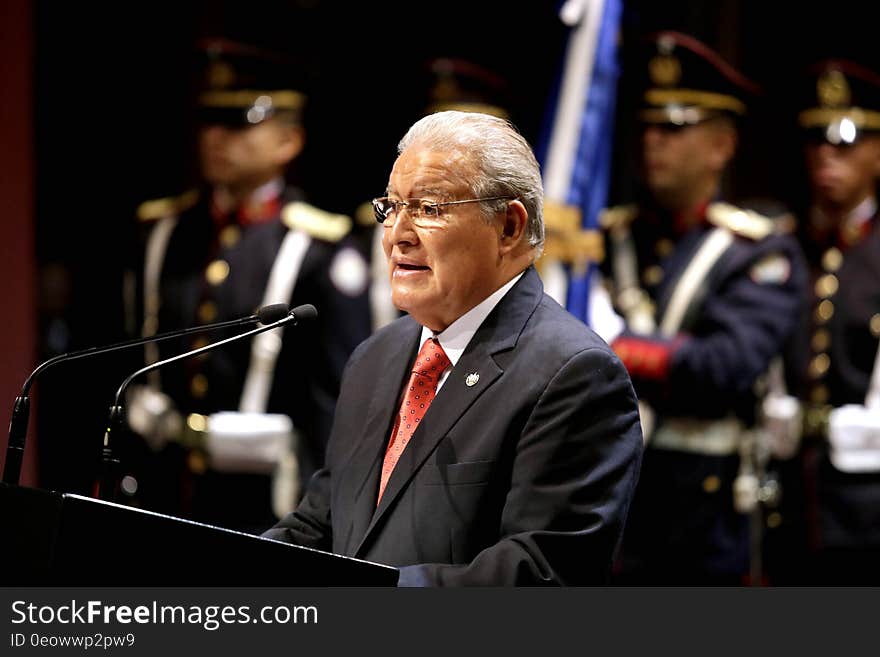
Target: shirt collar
{"points": [[854, 227], [455, 338], [263, 203]]}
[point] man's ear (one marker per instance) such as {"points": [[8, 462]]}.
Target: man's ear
{"points": [[513, 226], [291, 140]]}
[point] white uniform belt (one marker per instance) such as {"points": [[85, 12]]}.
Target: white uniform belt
{"points": [[711, 437]]}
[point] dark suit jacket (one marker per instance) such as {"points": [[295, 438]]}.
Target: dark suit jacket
{"points": [[522, 478]]}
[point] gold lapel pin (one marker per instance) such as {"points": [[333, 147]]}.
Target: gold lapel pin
{"points": [[471, 379]]}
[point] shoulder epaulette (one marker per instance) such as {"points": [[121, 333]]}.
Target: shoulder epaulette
{"points": [[164, 207], [744, 223], [316, 222], [618, 216]]}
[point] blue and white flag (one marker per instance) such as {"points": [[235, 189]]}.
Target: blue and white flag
{"points": [[577, 160]]}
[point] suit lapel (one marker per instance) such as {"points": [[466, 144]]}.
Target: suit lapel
{"points": [[498, 333], [391, 371]]}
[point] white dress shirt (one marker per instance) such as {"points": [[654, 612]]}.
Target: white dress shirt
{"points": [[456, 337]]}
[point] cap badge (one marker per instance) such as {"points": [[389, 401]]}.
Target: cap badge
{"points": [[832, 89], [446, 89], [665, 70], [471, 379]]}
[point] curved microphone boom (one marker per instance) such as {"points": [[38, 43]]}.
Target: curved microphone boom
{"points": [[107, 484], [21, 409]]}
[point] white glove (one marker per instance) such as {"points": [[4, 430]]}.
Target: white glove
{"points": [[261, 443], [854, 434], [247, 442], [152, 415]]}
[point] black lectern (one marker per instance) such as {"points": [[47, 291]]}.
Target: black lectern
{"points": [[49, 538]]}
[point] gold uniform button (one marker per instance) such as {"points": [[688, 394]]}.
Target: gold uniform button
{"points": [[819, 394], [207, 312], [875, 325], [821, 340], [653, 275], [197, 422], [229, 236], [200, 342], [819, 365], [824, 311], [198, 386], [832, 259], [774, 519], [816, 419], [196, 462], [663, 247], [216, 272], [711, 484], [827, 285]]}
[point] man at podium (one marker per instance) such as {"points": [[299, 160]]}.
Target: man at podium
{"points": [[489, 437]]}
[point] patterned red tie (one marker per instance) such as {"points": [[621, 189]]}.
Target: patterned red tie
{"points": [[422, 387]]}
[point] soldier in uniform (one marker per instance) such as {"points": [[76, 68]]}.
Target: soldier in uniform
{"points": [[709, 293], [838, 364], [243, 240]]}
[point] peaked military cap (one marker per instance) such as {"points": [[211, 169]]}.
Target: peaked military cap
{"points": [[686, 82], [459, 84], [242, 85], [841, 102]]}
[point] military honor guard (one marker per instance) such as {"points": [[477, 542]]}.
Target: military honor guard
{"points": [[839, 362], [709, 291], [260, 410]]}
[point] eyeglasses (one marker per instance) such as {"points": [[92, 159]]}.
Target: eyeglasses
{"points": [[422, 212]]}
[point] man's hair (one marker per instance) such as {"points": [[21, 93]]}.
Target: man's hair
{"points": [[503, 161]]}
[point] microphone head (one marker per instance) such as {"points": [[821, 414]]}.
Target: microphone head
{"points": [[304, 312], [272, 313]]}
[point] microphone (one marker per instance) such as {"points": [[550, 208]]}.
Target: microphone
{"points": [[115, 421], [21, 408]]}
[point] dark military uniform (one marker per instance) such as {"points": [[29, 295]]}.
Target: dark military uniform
{"points": [[699, 381], [709, 298], [837, 358], [205, 261], [839, 342], [216, 269]]}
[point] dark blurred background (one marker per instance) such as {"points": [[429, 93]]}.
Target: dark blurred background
{"points": [[97, 117]]}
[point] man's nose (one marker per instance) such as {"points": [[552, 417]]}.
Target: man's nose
{"points": [[403, 229], [215, 132]]}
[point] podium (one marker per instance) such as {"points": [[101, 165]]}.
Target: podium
{"points": [[61, 539]]}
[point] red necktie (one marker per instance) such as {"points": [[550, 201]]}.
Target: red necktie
{"points": [[422, 387]]}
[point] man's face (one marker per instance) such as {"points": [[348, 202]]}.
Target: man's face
{"points": [[843, 176], [438, 274], [675, 159], [247, 156]]}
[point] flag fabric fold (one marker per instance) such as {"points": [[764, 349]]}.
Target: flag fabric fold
{"points": [[577, 156]]}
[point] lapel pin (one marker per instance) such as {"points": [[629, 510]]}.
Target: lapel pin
{"points": [[471, 379]]}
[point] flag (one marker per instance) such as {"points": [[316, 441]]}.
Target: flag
{"points": [[577, 156]]}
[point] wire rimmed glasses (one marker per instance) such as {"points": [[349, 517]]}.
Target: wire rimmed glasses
{"points": [[424, 213]]}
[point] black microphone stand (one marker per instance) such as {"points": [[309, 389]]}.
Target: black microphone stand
{"points": [[21, 408], [108, 484]]}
